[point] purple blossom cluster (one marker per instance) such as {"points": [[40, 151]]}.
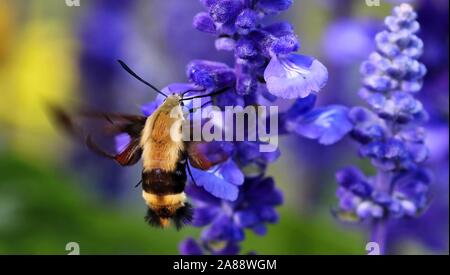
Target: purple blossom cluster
{"points": [[237, 195], [389, 133], [264, 55]]}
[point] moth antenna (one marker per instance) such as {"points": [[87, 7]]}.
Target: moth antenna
{"points": [[191, 90], [210, 94], [126, 68]]}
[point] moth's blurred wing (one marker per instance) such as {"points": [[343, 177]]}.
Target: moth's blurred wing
{"points": [[105, 125], [204, 155]]}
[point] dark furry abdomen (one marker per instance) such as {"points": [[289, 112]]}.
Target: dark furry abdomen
{"points": [[159, 182], [167, 200]]}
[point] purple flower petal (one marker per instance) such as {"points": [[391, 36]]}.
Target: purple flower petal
{"points": [[280, 29], [263, 192], [246, 21], [272, 6], [222, 181], [225, 11], [231, 248], [201, 196], [204, 215], [353, 180], [231, 172], [190, 247], [302, 106], [246, 218], [223, 229], [122, 141], [260, 229], [203, 22], [328, 124], [210, 74], [295, 76]]}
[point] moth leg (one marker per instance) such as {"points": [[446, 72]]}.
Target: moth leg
{"points": [[190, 172], [139, 183]]}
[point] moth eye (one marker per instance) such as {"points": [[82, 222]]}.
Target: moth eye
{"points": [[181, 103]]}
